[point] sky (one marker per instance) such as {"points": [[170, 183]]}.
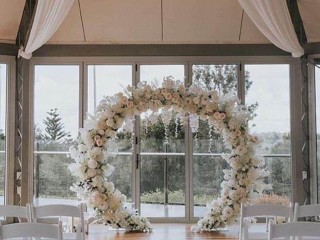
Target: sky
{"points": [[271, 90], [58, 87]]}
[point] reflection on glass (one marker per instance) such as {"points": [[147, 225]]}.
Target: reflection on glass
{"points": [[317, 91], [56, 117], [268, 92], [108, 80], [162, 149], [207, 145], [3, 115]]}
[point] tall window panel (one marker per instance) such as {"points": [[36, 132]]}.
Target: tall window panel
{"points": [[268, 95], [208, 146], [317, 92], [56, 124], [106, 81], [162, 150], [3, 132]]}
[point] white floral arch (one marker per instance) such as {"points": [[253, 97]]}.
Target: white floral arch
{"points": [[241, 183]]}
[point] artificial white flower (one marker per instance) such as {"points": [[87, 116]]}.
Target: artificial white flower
{"points": [[91, 172], [92, 163], [223, 113]]}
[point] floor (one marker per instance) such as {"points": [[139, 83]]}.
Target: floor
{"points": [[160, 232]]}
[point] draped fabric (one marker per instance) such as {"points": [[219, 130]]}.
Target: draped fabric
{"points": [[273, 19], [48, 17]]}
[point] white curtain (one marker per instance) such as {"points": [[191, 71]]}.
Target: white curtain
{"points": [[273, 19], [48, 17]]}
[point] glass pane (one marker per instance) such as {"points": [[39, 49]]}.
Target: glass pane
{"points": [[268, 92], [207, 145], [155, 137], [160, 195], [154, 74], [222, 78], [53, 179], [162, 186], [56, 118], [317, 85], [207, 177], [108, 80], [3, 116]]}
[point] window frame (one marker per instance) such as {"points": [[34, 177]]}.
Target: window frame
{"points": [[188, 61], [10, 181], [314, 193], [33, 63]]}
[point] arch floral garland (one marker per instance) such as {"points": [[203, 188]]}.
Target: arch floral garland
{"points": [[242, 182]]}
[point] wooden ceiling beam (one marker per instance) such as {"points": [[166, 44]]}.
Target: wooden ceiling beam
{"points": [[26, 22], [297, 21]]}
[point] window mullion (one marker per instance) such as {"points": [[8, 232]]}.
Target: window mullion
{"points": [[83, 92], [241, 82], [136, 146]]}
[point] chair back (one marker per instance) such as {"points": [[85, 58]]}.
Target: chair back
{"points": [[15, 211], [37, 230], [312, 210], [46, 212], [261, 210], [293, 229]]}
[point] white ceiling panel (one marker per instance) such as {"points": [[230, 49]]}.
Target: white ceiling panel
{"points": [[250, 33], [310, 15], [200, 21], [207, 21], [70, 30], [10, 12], [156, 21], [114, 21]]}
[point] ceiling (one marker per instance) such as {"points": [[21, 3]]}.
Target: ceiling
{"points": [[310, 15], [155, 22], [10, 12]]}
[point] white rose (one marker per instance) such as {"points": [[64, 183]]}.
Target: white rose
{"points": [[91, 172], [92, 163], [109, 122]]}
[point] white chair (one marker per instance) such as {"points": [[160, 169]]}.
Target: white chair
{"points": [[306, 211], [57, 211], [37, 230], [260, 210], [15, 211], [294, 229]]}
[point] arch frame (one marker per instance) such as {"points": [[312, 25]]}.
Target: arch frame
{"points": [[229, 118]]}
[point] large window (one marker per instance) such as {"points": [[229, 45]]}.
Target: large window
{"points": [[165, 169], [3, 132], [207, 145], [268, 93], [106, 81], [162, 168], [56, 124]]}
